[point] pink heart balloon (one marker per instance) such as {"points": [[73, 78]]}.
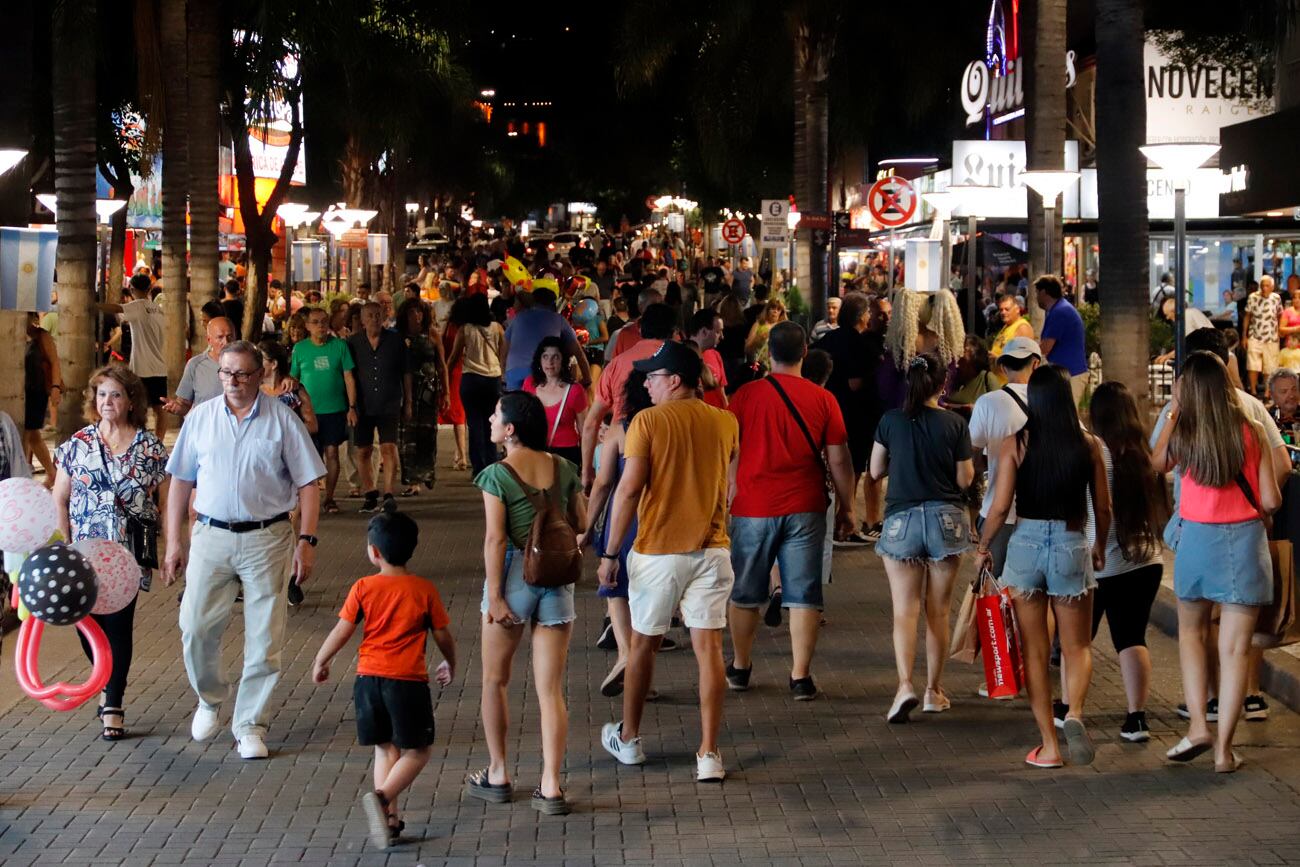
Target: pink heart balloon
{"points": [[117, 575]]}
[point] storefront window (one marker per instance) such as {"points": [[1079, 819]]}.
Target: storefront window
{"points": [[1216, 264]]}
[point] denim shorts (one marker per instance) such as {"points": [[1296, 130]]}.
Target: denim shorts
{"points": [[1223, 563], [547, 606], [931, 531], [1045, 556], [795, 542]]}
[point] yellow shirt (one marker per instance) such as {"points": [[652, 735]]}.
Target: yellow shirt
{"points": [[1007, 332], [684, 505]]}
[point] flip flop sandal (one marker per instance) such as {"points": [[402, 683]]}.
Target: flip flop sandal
{"points": [[1185, 750], [556, 806], [330, 507], [1082, 751], [395, 828], [1233, 764], [478, 785], [1034, 762], [111, 733], [410, 492], [375, 807]]}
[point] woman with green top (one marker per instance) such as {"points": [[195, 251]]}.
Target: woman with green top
{"points": [[756, 342], [519, 424]]}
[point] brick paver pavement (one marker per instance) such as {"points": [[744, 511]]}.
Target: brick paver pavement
{"points": [[828, 782]]}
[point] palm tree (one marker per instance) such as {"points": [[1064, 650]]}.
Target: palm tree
{"points": [[73, 93], [814, 46], [1121, 193], [1045, 119], [16, 116], [203, 72], [175, 183]]}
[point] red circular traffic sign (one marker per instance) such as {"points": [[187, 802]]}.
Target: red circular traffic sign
{"points": [[892, 201], [733, 231]]}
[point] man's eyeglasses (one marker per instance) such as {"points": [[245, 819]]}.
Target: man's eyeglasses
{"points": [[237, 375], [659, 373]]}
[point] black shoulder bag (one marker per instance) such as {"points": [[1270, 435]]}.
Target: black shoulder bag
{"points": [[827, 479]]}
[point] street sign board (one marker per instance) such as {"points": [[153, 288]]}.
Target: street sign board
{"points": [[353, 239], [843, 221], [892, 201], [733, 231], [776, 225], [811, 220]]}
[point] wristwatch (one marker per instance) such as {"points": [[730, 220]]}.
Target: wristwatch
{"points": [[310, 540], [605, 556]]}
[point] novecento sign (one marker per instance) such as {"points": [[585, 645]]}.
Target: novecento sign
{"points": [[1191, 104]]}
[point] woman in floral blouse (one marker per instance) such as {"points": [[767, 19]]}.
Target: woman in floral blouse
{"points": [[107, 475]]}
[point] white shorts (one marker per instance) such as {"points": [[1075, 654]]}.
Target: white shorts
{"points": [[1261, 356], [699, 581]]}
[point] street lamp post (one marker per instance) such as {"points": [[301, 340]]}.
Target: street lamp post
{"points": [[1179, 160], [1049, 184], [971, 198], [943, 202]]}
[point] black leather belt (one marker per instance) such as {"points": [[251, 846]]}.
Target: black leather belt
{"points": [[243, 526]]}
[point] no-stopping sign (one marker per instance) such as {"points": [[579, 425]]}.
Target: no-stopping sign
{"points": [[892, 201], [733, 231]]}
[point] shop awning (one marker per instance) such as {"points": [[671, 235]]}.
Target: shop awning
{"points": [[992, 251]]}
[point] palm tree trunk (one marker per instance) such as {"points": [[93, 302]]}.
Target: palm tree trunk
{"points": [[204, 134], [1044, 124], [117, 247], [73, 88], [175, 184], [812, 58], [1121, 194]]}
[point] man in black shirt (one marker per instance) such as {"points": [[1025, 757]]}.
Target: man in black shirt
{"points": [[234, 306], [711, 277], [855, 354], [382, 385]]}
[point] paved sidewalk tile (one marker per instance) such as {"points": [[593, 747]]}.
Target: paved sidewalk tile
{"points": [[822, 783]]}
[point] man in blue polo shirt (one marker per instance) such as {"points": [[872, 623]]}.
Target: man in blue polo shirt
{"points": [[1062, 337]]}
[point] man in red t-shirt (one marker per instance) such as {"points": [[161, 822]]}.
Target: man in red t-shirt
{"points": [[630, 334], [657, 324], [705, 328], [779, 511]]}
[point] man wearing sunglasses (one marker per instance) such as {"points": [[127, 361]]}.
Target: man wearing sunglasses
{"points": [[249, 462]]}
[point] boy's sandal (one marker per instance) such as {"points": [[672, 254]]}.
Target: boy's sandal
{"points": [[112, 733], [479, 785]]}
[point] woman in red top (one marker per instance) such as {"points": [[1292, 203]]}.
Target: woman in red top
{"points": [[1221, 550], [565, 402], [454, 414]]}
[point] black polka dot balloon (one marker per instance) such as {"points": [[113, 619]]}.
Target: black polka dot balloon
{"points": [[57, 584]]}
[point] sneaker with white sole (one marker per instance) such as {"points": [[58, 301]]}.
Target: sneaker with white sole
{"points": [[205, 723], [1255, 708], [708, 768], [1135, 729], [935, 702], [627, 752], [252, 747]]}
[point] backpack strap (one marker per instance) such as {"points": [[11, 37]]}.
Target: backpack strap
{"points": [[1017, 398], [538, 500]]}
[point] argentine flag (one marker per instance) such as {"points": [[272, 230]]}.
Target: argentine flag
{"points": [[377, 249], [27, 268], [308, 257]]}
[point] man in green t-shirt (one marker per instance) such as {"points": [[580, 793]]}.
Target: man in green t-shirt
{"points": [[323, 364]]}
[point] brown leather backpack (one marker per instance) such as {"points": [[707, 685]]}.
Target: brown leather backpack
{"points": [[552, 557]]}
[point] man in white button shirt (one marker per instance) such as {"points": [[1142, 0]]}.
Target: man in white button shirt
{"points": [[249, 461]]}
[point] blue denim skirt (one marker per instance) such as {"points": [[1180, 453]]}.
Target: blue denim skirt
{"points": [[1225, 563], [1045, 556], [931, 531]]}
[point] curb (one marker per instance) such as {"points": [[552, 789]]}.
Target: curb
{"points": [[1279, 676]]}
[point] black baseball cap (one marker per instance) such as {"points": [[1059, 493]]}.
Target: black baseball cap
{"points": [[673, 357]]}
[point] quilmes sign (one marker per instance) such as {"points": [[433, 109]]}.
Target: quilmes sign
{"points": [[999, 94]]}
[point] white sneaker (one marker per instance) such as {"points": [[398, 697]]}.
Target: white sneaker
{"points": [[627, 752], [935, 702], [708, 768], [205, 723], [252, 747]]}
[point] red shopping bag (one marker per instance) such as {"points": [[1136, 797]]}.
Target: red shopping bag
{"points": [[999, 642]]}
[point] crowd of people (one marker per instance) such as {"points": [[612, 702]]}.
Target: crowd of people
{"points": [[711, 452]]}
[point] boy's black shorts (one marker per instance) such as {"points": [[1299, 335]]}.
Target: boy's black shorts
{"points": [[389, 711]]}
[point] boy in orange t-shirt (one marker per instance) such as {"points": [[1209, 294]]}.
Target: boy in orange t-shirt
{"points": [[394, 708]]}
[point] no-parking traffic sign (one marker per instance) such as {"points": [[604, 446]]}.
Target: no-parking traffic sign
{"points": [[892, 201], [733, 231]]}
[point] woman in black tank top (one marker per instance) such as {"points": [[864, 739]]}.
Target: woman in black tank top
{"points": [[1048, 469]]}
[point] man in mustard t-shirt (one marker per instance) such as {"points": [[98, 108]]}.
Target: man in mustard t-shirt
{"points": [[678, 453]]}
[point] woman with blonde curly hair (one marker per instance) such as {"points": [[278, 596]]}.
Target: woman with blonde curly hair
{"points": [[921, 323]]}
